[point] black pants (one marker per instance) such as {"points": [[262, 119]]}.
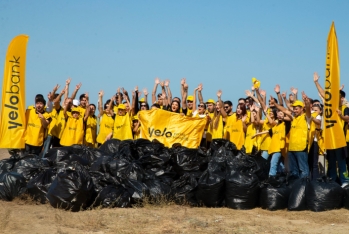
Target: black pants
{"points": [[30, 149]]}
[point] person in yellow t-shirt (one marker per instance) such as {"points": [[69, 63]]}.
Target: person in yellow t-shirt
{"points": [[37, 120], [90, 139], [73, 132], [106, 124], [236, 126], [122, 125], [136, 130]]}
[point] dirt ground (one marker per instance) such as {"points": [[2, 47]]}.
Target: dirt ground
{"points": [[25, 216]]}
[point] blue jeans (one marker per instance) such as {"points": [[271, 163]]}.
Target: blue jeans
{"points": [[265, 154], [298, 163], [47, 144], [275, 164], [337, 157]]}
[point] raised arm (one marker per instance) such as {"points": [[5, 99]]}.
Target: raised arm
{"points": [[56, 101], [185, 95], [307, 105], [169, 94], [183, 81], [44, 122], [250, 94], [281, 108], [145, 92], [194, 99], [220, 103], [201, 99], [135, 106], [66, 109], [109, 109], [87, 111], [277, 91], [295, 92], [67, 83], [77, 87], [153, 94], [100, 102], [287, 102], [318, 86]]}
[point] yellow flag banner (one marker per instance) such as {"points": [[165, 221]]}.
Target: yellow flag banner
{"points": [[333, 129], [169, 128], [12, 121]]}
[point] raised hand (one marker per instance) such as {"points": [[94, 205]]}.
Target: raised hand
{"points": [[78, 86], [219, 93], [136, 88], [145, 91], [157, 80], [101, 93], [67, 82], [248, 93], [277, 88], [200, 87], [185, 86], [55, 89], [262, 92], [252, 88], [342, 87], [86, 95], [283, 95], [316, 77], [139, 94], [294, 90], [183, 81], [167, 82], [272, 101]]}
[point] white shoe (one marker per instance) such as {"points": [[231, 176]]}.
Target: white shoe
{"points": [[344, 184]]}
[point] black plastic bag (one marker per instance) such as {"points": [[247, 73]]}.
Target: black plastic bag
{"points": [[39, 185], [242, 190], [110, 147], [297, 200], [210, 189], [7, 164], [187, 160], [72, 189], [346, 197], [12, 185], [137, 189], [324, 194], [113, 196], [263, 167], [30, 167], [183, 189], [122, 168], [274, 198], [216, 144], [158, 189], [101, 164]]}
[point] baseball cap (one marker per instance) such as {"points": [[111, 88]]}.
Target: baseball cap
{"points": [[190, 98], [122, 106], [298, 103], [210, 101], [76, 102]]}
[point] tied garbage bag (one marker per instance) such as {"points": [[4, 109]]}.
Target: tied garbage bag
{"points": [[324, 194], [241, 190], [183, 189], [216, 144], [72, 189], [7, 164], [274, 197], [101, 164], [87, 153], [187, 160], [12, 185], [110, 147], [63, 157], [30, 167], [113, 196], [122, 168], [262, 168], [210, 189], [158, 189], [39, 185], [136, 189], [297, 200], [346, 197]]}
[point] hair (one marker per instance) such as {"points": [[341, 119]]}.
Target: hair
{"points": [[202, 103], [159, 95], [55, 95], [248, 99], [275, 100], [275, 111], [228, 103], [243, 99], [156, 105], [38, 96], [82, 96], [146, 105], [242, 108], [93, 105], [179, 106], [317, 105], [106, 103], [315, 100], [40, 99], [342, 93]]}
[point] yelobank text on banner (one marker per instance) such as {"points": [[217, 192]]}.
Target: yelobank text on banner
{"points": [[12, 121], [170, 128]]}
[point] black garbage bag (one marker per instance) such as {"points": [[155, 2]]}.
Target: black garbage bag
{"points": [[262, 168], [274, 197], [346, 197], [242, 190], [39, 185], [164, 174], [30, 167], [137, 189], [72, 189], [158, 189], [101, 164], [210, 189], [102, 180], [113, 196], [110, 147], [123, 168], [242, 163], [183, 189], [87, 153], [12, 185], [7, 164], [324, 194], [297, 200], [127, 150], [187, 160], [226, 144]]}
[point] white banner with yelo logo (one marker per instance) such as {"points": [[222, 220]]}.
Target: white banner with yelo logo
{"points": [[12, 121], [170, 128]]}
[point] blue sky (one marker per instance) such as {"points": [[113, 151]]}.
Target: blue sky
{"points": [[222, 44]]}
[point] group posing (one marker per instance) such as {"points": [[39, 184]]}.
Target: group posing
{"points": [[287, 131]]}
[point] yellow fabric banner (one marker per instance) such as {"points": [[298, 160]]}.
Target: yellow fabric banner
{"points": [[12, 121], [169, 128], [333, 129]]}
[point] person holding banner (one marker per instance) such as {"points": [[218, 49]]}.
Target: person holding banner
{"points": [[37, 120]]}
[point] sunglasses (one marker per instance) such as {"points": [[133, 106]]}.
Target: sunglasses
{"points": [[226, 107], [201, 106], [144, 105]]}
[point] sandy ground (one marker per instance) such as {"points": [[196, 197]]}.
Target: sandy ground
{"points": [[25, 216]]}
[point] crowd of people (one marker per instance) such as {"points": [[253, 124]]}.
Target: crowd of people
{"points": [[287, 130]]}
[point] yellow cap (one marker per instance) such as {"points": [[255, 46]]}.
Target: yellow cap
{"points": [[298, 103], [190, 98], [210, 101], [256, 83], [75, 109], [122, 106], [141, 100], [135, 117]]}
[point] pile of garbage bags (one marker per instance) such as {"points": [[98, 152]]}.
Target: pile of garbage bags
{"points": [[125, 173]]}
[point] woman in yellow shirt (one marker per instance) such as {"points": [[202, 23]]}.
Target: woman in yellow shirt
{"points": [[106, 124]]}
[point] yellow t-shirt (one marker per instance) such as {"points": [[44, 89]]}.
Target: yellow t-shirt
{"points": [[73, 132], [105, 128]]}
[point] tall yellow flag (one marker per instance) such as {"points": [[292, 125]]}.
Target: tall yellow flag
{"points": [[333, 129], [170, 128], [12, 121]]}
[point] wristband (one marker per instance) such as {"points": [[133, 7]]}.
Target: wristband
{"points": [[277, 92]]}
